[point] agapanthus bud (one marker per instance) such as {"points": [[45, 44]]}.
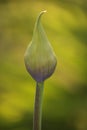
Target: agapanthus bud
{"points": [[40, 60]]}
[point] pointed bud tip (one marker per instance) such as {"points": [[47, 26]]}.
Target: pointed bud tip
{"points": [[42, 12]]}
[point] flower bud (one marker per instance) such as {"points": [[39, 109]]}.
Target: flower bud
{"points": [[40, 60]]}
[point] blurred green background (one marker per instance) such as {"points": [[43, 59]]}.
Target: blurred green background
{"points": [[65, 93]]}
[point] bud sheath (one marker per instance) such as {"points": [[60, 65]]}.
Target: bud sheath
{"points": [[40, 60]]}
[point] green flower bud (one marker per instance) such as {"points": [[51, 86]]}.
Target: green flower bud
{"points": [[40, 60]]}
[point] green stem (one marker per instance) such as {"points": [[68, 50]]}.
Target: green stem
{"points": [[38, 106]]}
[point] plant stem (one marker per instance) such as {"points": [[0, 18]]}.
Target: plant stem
{"points": [[38, 106]]}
